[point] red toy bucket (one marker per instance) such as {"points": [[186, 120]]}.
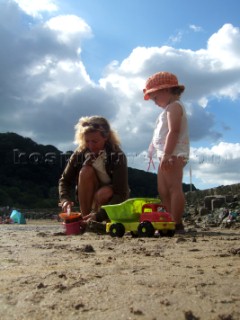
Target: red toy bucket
{"points": [[73, 228]]}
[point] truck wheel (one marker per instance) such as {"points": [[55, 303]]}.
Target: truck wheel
{"points": [[134, 234], [145, 229], [170, 233], [163, 233], [166, 233], [117, 230]]}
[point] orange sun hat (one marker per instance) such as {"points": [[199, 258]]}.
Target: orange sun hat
{"points": [[161, 80]]}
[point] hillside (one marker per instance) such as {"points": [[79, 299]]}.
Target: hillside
{"points": [[29, 174]]}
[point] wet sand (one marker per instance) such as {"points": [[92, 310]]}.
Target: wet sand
{"points": [[47, 275]]}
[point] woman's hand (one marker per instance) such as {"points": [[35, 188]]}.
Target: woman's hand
{"points": [[67, 206]]}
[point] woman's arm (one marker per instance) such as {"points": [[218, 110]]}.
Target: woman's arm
{"points": [[69, 177]]}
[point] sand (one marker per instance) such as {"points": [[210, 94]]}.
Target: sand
{"points": [[45, 274]]}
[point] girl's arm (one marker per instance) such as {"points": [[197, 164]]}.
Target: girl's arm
{"points": [[174, 117]]}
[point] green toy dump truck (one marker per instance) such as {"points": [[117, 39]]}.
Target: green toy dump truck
{"points": [[140, 216]]}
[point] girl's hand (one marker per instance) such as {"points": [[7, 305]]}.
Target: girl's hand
{"points": [[166, 162]]}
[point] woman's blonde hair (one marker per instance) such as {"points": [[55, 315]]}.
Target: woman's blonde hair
{"points": [[93, 124]]}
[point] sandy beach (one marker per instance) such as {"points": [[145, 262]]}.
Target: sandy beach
{"points": [[47, 275]]}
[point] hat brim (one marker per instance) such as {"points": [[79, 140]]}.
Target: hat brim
{"points": [[166, 86]]}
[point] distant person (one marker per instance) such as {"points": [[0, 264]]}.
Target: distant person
{"points": [[97, 168], [170, 141]]}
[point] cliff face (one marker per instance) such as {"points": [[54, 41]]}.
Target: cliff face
{"points": [[29, 174]]}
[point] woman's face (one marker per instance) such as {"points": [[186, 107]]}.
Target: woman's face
{"points": [[95, 142]]}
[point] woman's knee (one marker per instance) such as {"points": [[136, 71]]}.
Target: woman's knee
{"points": [[103, 195], [87, 172]]}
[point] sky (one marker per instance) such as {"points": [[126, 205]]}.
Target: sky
{"points": [[61, 60]]}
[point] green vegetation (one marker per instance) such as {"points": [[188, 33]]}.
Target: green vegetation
{"points": [[29, 174]]}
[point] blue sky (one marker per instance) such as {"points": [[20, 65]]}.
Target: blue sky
{"points": [[61, 60]]}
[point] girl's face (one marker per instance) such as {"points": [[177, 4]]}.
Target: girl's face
{"points": [[161, 97], [95, 142]]}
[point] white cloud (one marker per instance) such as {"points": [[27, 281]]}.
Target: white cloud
{"points": [[69, 28], [176, 38], [218, 165], [45, 88], [65, 76], [195, 28], [224, 47], [34, 7]]}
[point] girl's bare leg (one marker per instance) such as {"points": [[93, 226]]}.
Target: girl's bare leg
{"points": [[170, 188], [163, 190]]}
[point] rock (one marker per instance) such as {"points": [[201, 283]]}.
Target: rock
{"points": [[203, 211], [208, 202], [218, 202]]}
